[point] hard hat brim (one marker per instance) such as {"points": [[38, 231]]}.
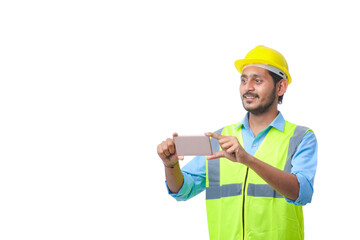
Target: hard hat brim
{"points": [[239, 65]]}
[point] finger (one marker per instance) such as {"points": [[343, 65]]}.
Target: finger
{"points": [[167, 153], [226, 145], [159, 149], [161, 152], [165, 149], [210, 157], [214, 135], [231, 149], [221, 154], [171, 145], [173, 149], [224, 139], [215, 155]]}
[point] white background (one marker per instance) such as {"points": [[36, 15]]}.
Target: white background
{"points": [[88, 89]]}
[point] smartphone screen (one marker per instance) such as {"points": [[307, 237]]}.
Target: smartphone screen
{"points": [[193, 145]]}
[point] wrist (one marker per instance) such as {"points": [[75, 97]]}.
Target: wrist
{"points": [[246, 159], [171, 165]]}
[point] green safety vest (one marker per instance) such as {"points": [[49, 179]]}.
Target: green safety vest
{"points": [[240, 204]]}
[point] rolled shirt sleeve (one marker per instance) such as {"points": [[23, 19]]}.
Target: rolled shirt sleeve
{"points": [[304, 165], [194, 173]]}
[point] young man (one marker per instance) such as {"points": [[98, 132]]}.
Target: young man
{"points": [[263, 168]]}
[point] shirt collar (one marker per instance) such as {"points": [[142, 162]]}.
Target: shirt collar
{"points": [[278, 122]]}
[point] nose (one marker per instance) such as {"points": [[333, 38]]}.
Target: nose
{"points": [[248, 86]]}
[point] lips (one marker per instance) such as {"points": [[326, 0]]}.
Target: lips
{"points": [[250, 96]]}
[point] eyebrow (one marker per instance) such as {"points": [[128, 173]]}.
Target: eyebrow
{"points": [[251, 75]]}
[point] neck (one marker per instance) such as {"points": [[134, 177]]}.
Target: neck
{"points": [[259, 122]]}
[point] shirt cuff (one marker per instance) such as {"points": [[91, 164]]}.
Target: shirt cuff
{"points": [[305, 192], [183, 193]]}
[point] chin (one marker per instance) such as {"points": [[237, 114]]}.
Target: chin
{"points": [[250, 106]]}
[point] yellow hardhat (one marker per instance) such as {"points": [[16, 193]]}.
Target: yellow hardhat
{"points": [[267, 56]]}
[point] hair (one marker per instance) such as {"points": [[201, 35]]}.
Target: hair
{"points": [[276, 79]]}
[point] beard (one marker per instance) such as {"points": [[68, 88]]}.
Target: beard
{"points": [[263, 107]]}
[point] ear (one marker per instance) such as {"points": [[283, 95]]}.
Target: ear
{"points": [[281, 87]]}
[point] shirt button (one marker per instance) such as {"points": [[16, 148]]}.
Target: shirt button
{"points": [[254, 145]]}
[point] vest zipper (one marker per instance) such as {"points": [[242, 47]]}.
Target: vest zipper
{"points": [[243, 206]]}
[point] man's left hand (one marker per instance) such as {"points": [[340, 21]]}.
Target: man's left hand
{"points": [[231, 149]]}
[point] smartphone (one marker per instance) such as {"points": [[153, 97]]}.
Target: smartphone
{"points": [[193, 145]]}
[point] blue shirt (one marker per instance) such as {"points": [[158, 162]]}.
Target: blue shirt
{"points": [[304, 163]]}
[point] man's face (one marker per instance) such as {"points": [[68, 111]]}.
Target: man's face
{"points": [[257, 90]]}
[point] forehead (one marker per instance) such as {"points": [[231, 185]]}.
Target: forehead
{"points": [[254, 70]]}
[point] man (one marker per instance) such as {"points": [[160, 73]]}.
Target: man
{"points": [[262, 170]]}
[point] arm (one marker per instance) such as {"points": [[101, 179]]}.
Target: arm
{"points": [[304, 164], [284, 183], [194, 173], [174, 178], [167, 152], [185, 183]]}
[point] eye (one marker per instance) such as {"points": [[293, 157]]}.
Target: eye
{"points": [[258, 80]]}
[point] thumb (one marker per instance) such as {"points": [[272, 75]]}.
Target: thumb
{"points": [[215, 155], [175, 134], [221, 154]]}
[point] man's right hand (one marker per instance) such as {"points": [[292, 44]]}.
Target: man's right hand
{"points": [[167, 152]]}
